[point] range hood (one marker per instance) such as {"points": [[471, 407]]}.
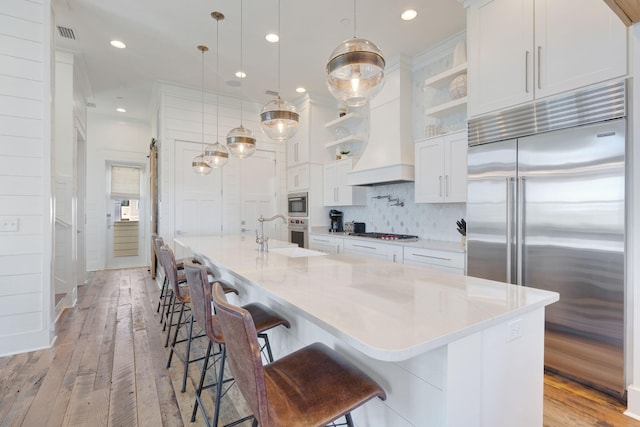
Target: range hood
{"points": [[388, 156]]}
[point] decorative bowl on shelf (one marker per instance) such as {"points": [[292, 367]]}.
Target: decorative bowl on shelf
{"points": [[458, 87]]}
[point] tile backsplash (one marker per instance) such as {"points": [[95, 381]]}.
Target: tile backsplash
{"points": [[433, 221]]}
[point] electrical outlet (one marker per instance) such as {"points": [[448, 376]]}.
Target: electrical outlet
{"points": [[514, 329], [9, 224]]}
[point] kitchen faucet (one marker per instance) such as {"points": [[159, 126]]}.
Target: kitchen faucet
{"points": [[263, 242]]}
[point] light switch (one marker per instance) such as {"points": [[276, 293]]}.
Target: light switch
{"points": [[9, 224]]}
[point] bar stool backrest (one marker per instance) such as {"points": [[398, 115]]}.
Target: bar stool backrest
{"points": [[200, 294], [243, 352], [168, 261]]}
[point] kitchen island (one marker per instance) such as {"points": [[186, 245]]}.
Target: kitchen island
{"points": [[449, 350]]}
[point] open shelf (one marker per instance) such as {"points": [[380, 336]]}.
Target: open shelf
{"points": [[345, 120], [444, 79], [345, 140], [453, 106]]}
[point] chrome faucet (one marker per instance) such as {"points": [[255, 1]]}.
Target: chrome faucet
{"points": [[263, 242]]}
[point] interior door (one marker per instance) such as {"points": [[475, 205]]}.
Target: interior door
{"points": [[490, 211], [198, 199], [81, 195]]}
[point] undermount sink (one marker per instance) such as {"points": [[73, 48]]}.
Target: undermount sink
{"points": [[296, 252]]}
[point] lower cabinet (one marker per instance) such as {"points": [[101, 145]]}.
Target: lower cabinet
{"points": [[384, 251], [326, 244], [452, 262]]}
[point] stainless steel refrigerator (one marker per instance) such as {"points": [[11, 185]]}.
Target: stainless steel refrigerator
{"points": [[547, 210]]}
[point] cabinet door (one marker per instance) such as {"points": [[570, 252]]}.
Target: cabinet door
{"points": [[500, 37], [373, 249], [330, 185], [345, 192], [429, 171], [455, 167], [329, 245], [293, 151], [298, 178], [577, 43]]}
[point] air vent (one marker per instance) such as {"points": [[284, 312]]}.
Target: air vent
{"points": [[91, 105], [67, 33], [271, 92]]}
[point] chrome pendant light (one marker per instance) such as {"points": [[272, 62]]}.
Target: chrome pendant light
{"points": [[355, 71], [279, 118], [217, 155], [199, 164], [240, 140]]}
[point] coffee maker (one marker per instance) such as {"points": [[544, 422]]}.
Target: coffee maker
{"points": [[335, 217]]}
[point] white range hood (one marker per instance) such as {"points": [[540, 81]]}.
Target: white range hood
{"points": [[388, 156]]}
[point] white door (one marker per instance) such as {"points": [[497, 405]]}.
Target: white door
{"points": [[81, 197], [258, 194], [198, 199]]}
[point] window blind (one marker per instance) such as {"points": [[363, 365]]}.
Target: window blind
{"points": [[125, 182]]}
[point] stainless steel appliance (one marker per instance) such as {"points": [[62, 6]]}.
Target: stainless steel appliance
{"points": [[387, 236], [298, 204], [299, 231], [547, 210]]}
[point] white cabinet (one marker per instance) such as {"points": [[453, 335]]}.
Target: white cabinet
{"points": [[385, 251], [298, 178], [336, 190], [452, 262], [441, 169], [326, 244], [528, 49]]}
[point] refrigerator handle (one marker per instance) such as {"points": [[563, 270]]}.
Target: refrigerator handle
{"points": [[510, 186], [520, 230]]}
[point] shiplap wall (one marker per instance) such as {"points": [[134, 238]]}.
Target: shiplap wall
{"points": [[181, 119], [25, 175]]}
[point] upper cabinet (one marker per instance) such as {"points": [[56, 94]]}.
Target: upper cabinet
{"points": [[336, 190], [523, 50], [441, 169], [307, 144]]}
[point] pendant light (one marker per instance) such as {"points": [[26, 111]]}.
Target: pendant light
{"points": [[279, 118], [355, 71], [199, 164], [217, 155], [240, 140]]}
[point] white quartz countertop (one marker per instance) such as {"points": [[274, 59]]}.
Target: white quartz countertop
{"points": [[421, 243], [388, 311]]}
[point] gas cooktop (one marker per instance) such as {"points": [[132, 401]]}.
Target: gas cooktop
{"points": [[387, 236]]}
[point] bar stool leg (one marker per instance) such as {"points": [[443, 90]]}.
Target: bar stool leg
{"points": [[163, 290], [187, 356], [349, 419], [175, 335], [216, 414], [170, 318], [205, 365]]}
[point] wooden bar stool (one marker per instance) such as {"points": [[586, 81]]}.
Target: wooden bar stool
{"points": [[263, 317], [310, 387], [180, 296]]}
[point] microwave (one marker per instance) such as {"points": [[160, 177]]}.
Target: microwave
{"points": [[298, 204]]}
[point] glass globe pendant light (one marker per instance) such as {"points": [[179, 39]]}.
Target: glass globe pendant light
{"points": [[279, 119], [240, 140], [217, 155], [199, 164], [355, 71]]}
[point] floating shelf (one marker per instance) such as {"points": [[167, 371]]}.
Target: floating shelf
{"points": [[453, 106], [345, 140], [345, 120], [443, 79]]}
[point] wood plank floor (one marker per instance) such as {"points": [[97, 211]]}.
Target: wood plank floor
{"points": [[107, 368]]}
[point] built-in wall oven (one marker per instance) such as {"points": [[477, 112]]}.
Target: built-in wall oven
{"points": [[298, 205], [299, 231]]}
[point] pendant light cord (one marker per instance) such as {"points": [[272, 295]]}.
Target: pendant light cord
{"points": [[354, 19], [241, 66], [279, 43], [217, 80], [202, 99]]}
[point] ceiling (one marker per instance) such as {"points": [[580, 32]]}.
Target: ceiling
{"points": [[162, 35]]}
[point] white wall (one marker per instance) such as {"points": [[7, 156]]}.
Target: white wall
{"points": [[109, 138], [26, 60]]}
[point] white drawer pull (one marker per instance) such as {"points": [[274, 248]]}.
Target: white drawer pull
{"points": [[433, 257], [366, 247]]}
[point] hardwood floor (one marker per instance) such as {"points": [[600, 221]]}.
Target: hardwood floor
{"points": [[107, 368]]}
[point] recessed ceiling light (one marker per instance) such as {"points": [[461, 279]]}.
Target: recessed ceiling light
{"points": [[272, 38], [241, 74], [409, 14], [118, 44], [300, 89], [121, 110]]}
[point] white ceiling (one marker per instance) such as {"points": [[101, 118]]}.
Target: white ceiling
{"points": [[162, 35]]}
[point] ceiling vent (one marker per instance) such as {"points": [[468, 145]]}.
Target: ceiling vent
{"points": [[271, 92], [91, 104], [67, 33]]}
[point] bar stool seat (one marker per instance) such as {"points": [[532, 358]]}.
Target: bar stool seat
{"points": [[310, 387], [262, 317]]}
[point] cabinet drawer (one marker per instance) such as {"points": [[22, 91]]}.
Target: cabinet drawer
{"points": [[440, 260], [330, 245], [384, 251]]}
